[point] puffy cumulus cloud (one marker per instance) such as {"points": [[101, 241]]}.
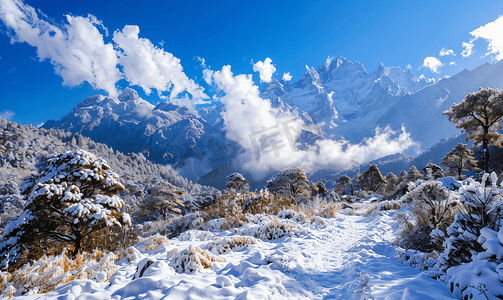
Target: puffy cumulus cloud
{"points": [[268, 137], [78, 53], [445, 52], [265, 69], [75, 49], [286, 77], [7, 114], [432, 63], [493, 33], [468, 49], [152, 68]]}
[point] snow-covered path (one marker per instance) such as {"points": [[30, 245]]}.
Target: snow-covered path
{"points": [[350, 257]]}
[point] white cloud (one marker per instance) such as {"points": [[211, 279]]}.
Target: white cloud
{"points": [[265, 126], [150, 67], [409, 67], [287, 77], [7, 114], [493, 33], [203, 62], [445, 52], [76, 49], [468, 49], [78, 53], [432, 63], [265, 69]]}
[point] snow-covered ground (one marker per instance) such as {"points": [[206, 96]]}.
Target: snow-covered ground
{"points": [[348, 257]]}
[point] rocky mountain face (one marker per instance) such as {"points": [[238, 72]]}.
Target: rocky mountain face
{"points": [[165, 134], [347, 101], [340, 97]]}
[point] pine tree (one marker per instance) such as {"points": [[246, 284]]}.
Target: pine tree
{"points": [[343, 185], [412, 175], [164, 200], [72, 197], [432, 171], [292, 183], [392, 183], [372, 179], [319, 188], [479, 115], [482, 208], [459, 159]]}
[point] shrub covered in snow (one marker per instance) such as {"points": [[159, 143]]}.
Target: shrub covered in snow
{"points": [[229, 244], [72, 197], [192, 259], [482, 210], [237, 182], [272, 228], [433, 209]]}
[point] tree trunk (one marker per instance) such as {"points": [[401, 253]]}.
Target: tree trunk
{"points": [[78, 239], [485, 154]]}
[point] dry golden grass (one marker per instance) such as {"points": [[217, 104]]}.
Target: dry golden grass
{"points": [[192, 259], [153, 242], [49, 272]]}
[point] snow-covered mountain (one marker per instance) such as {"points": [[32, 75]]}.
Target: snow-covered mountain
{"points": [[166, 133], [346, 100], [340, 97]]}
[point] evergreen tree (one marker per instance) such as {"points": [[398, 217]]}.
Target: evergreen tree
{"points": [[292, 183], [482, 208], [372, 179], [319, 188], [392, 181], [458, 160], [343, 185], [164, 200], [479, 115], [72, 197], [412, 175], [432, 171]]}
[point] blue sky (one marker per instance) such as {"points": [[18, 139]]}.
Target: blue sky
{"points": [[236, 33]]}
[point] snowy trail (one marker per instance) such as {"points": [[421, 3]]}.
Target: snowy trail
{"points": [[354, 259], [350, 257]]}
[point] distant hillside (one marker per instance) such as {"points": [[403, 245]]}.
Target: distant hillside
{"points": [[22, 148]]}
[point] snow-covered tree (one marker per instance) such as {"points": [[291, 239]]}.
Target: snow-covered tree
{"points": [[458, 160], [432, 171], [291, 182], [482, 208], [237, 182], [479, 115], [343, 185], [436, 199], [412, 175], [402, 175], [73, 196], [372, 179], [319, 188], [164, 200], [392, 183], [433, 210]]}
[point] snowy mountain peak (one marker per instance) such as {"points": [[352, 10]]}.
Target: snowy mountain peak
{"points": [[128, 94]]}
